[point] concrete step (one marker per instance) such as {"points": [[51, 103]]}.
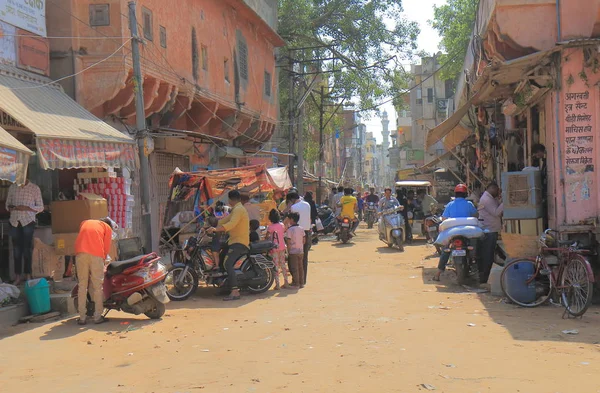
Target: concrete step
{"points": [[10, 315], [63, 303]]}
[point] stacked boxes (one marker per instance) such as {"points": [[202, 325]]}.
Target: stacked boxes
{"points": [[116, 190]]}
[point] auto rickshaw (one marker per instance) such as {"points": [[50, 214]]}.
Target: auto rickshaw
{"points": [[416, 217]]}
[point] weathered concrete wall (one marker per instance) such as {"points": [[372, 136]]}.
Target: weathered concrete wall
{"points": [[266, 9], [218, 26], [579, 119]]}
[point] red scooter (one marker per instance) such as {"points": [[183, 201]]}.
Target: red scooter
{"points": [[135, 286]]}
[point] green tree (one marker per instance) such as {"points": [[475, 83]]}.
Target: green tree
{"points": [[364, 42], [454, 22], [368, 38]]}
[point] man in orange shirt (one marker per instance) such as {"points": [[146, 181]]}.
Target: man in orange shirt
{"points": [[91, 248]]}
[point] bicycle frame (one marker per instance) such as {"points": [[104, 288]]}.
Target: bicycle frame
{"points": [[564, 255]]}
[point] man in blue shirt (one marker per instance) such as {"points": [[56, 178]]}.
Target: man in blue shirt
{"points": [[458, 208]]}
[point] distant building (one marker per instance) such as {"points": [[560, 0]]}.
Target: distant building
{"points": [[429, 102]]}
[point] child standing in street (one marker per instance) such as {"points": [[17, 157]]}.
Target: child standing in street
{"points": [[276, 233], [295, 238], [254, 226]]}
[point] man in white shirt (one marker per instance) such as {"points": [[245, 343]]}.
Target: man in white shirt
{"points": [[23, 202], [252, 209], [303, 209], [336, 201]]}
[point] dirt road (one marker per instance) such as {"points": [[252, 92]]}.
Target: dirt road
{"points": [[369, 320]]}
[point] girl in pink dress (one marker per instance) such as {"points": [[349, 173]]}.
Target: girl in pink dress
{"points": [[276, 233]]}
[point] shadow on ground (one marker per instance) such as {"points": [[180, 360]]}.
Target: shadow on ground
{"points": [[543, 323]]}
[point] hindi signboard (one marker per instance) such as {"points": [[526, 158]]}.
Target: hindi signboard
{"points": [[29, 15], [33, 53]]}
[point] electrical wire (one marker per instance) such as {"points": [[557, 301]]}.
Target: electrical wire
{"points": [[173, 72], [37, 86]]}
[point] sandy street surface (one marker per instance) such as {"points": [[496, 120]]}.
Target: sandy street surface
{"points": [[369, 320]]}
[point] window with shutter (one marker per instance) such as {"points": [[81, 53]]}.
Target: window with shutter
{"points": [[147, 25], [99, 15]]}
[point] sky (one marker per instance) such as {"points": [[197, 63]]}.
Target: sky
{"points": [[420, 11]]}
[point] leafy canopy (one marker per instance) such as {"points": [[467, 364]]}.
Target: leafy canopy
{"points": [[454, 22], [368, 38]]}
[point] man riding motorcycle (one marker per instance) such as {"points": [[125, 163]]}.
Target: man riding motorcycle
{"points": [[348, 208], [426, 201], [458, 208], [237, 224]]}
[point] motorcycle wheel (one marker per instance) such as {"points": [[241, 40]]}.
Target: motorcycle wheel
{"points": [[344, 237], [157, 312], [399, 244], [462, 272], [188, 286], [370, 223], [269, 275]]}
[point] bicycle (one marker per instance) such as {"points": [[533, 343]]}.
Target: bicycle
{"points": [[563, 269]]}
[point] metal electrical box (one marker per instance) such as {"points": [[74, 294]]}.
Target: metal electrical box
{"points": [[522, 195]]}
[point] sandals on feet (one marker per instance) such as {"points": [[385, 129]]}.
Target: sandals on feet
{"points": [[231, 297], [101, 320]]}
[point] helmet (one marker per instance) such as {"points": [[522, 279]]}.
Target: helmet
{"points": [[461, 188]]}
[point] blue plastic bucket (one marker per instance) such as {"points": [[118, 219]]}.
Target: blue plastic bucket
{"points": [[516, 282], [38, 295]]}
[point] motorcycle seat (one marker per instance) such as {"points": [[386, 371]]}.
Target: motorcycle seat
{"points": [[118, 266], [261, 246]]}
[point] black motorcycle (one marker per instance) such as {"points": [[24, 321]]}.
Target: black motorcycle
{"points": [[328, 220], [255, 271], [463, 258], [370, 214]]}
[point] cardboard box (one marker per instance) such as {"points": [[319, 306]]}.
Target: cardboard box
{"points": [[46, 262], [64, 244], [68, 215]]}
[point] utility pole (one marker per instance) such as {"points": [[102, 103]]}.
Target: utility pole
{"points": [[140, 116], [321, 149], [335, 152], [291, 116], [300, 154]]}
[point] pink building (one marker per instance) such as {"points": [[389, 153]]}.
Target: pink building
{"points": [[531, 77]]}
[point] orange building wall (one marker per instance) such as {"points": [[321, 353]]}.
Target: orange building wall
{"points": [[168, 71]]}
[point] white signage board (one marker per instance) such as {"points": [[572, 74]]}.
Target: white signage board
{"points": [[29, 15], [8, 44]]}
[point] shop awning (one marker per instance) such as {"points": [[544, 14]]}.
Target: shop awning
{"points": [[437, 133], [280, 177], [68, 136], [456, 136], [14, 158], [497, 82]]}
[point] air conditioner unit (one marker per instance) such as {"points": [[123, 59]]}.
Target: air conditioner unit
{"points": [[522, 195]]}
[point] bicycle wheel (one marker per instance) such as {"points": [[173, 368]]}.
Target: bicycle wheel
{"points": [[513, 281], [577, 286]]}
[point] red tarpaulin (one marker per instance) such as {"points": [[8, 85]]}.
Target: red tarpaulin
{"points": [[213, 184]]}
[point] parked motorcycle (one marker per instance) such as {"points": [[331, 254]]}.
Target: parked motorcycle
{"points": [[370, 214], [463, 258], [391, 227], [135, 286], [345, 232], [460, 237], [432, 230], [255, 271], [328, 219]]}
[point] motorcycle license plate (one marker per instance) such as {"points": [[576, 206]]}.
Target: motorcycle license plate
{"points": [[346, 225], [459, 253]]}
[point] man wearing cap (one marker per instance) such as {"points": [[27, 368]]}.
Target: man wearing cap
{"points": [[458, 208]]}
